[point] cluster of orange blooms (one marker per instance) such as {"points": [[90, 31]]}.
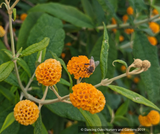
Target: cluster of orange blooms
{"points": [[126, 131], [26, 112], [48, 73], [87, 97], [153, 118], [77, 66], [2, 31]]}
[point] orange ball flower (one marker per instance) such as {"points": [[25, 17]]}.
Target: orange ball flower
{"points": [[114, 21], [23, 16], [48, 73], [136, 79], [154, 27], [125, 18], [121, 38], [26, 112], [153, 117], [2, 31], [87, 97], [152, 40], [130, 10], [155, 12], [126, 131], [63, 55], [77, 66], [123, 68], [68, 44], [144, 121], [114, 30], [129, 31]]}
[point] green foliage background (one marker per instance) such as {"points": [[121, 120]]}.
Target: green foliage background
{"points": [[49, 26]]}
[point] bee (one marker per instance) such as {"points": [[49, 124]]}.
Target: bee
{"points": [[92, 65]]}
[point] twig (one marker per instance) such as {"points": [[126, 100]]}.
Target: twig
{"points": [[53, 89], [5, 36], [44, 96], [126, 25]]}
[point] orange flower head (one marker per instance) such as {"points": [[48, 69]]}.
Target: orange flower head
{"points": [[48, 73], [126, 131], [136, 79], [154, 27], [129, 31], [87, 97], [23, 16], [77, 66], [130, 10], [114, 30], [123, 68], [144, 121], [125, 18], [155, 12], [68, 44], [152, 40], [121, 38], [63, 55], [153, 117], [2, 31], [26, 112], [114, 21]]}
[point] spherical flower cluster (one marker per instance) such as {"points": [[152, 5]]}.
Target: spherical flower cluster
{"points": [[63, 55], [154, 27], [129, 31], [48, 73], [155, 12], [152, 40], [144, 121], [123, 68], [87, 97], [153, 118], [2, 31], [77, 66], [130, 10], [26, 112], [121, 38], [23, 16], [126, 131], [136, 79], [125, 18], [114, 22]]}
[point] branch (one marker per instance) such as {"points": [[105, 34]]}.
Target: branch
{"points": [[126, 25]]}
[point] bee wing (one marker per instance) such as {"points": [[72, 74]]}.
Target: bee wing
{"points": [[92, 58], [96, 63]]}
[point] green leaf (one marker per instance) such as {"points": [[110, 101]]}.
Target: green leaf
{"points": [[46, 26], [143, 50], [104, 53], [122, 110], [110, 6], [6, 69], [24, 65], [14, 13], [64, 82], [133, 96], [8, 94], [64, 12], [8, 121], [25, 29], [12, 80], [9, 53], [92, 119], [120, 61], [65, 68], [39, 127], [88, 9], [36, 47]]}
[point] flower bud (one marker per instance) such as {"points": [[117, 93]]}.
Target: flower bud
{"points": [[145, 65], [137, 63]]}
